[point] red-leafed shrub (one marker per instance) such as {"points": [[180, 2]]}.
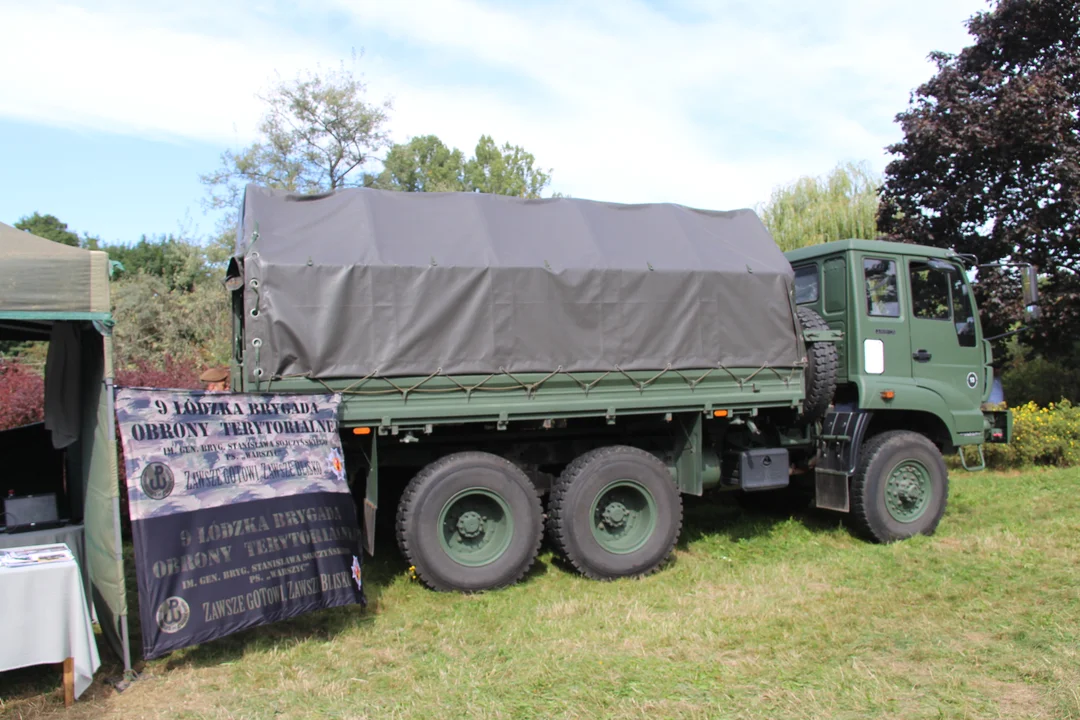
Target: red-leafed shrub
{"points": [[183, 374], [22, 395]]}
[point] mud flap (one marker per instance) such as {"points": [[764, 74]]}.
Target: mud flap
{"points": [[831, 491], [371, 497], [369, 527], [838, 452]]}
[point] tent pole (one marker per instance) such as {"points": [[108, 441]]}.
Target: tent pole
{"points": [[119, 546], [126, 642]]}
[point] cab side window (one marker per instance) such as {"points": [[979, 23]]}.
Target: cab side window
{"points": [[938, 292], [807, 284], [929, 292], [963, 310], [882, 296]]}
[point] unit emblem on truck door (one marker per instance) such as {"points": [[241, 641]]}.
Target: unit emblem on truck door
{"points": [[973, 380]]}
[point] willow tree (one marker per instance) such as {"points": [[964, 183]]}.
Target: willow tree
{"points": [[838, 206]]}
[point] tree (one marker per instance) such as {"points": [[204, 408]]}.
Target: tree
{"points": [[220, 247], [180, 263], [318, 134], [155, 321], [48, 227], [990, 160], [814, 210], [424, 164], [504, 171]]}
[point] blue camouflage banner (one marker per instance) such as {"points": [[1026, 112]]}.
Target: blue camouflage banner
{"points": [[240, 511]]}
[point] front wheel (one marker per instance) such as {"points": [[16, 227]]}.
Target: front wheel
{"points": [[615, 512], [471, 521], [900, 487]]}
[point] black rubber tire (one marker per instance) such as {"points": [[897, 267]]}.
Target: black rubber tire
{"points": [[427, 494], [822, 362], [572, 497], [878, 456]]}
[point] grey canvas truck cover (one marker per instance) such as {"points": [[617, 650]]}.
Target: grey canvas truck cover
{"points": [[365, 282]]}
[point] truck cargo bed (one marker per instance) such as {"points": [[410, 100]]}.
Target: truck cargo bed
{"points": [[439, 399]]}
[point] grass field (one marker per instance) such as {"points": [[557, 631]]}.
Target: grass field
{"points": [[757, 617]]}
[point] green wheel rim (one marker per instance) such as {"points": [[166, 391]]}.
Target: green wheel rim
{"points": [[475, 527], [907, 491], [623, 516]]}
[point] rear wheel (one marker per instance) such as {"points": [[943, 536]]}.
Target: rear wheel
{"points": [[470, 521], [900, 488], [615, 512]]}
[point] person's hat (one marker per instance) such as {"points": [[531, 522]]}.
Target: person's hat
{"points": [[213, 375]]}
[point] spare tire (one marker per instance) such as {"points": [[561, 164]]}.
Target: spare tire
{"points": [[822, 361]]}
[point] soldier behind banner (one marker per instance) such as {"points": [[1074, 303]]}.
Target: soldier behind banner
{"points": [[216, 379]]}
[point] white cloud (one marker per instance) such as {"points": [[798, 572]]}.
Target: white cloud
{"points": [[129, 73], [713, 109], [707, 103]]}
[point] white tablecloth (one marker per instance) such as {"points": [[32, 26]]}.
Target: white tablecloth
{"points": [[70, 535], [44, 619]]}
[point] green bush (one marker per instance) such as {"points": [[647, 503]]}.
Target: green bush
{"points": [[1030, 377], [1041, 381], [154, 321], [1047, 435]]}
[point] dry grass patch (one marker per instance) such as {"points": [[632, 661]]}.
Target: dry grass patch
{"points": [[756, 617]]}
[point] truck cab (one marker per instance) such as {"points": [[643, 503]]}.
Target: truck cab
{"points": [[913, 377], [912, 352]]}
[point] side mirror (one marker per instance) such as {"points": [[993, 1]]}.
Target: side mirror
{"points": [[1030, 288]]}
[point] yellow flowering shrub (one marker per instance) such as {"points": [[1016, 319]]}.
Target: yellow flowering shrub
{"points": [[1041, 436]]}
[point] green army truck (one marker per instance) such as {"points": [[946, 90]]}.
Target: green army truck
{"points": [[511, 365]]}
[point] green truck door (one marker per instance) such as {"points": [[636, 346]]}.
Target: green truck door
{"points": [[884, 347], [946, 352]]}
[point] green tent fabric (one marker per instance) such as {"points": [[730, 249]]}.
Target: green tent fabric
{"points": [[38, 275], [43, 283]]}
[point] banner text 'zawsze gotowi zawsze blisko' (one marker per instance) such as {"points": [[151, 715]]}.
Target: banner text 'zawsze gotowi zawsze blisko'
{"points": [[240, 511]]}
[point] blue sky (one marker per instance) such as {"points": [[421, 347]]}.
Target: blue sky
{"points": [[110, 110]]}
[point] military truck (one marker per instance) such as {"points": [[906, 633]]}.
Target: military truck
{"points": [[508, 365]]}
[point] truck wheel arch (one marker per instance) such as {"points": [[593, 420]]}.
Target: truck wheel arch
{"points": [[838, 460], [923, 422]]}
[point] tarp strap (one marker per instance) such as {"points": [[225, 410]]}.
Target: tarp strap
{"points": [[518, 384]]}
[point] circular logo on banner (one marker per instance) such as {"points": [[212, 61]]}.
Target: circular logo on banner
{"points": [[173, 614], [973, 380], [157, 481]]}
